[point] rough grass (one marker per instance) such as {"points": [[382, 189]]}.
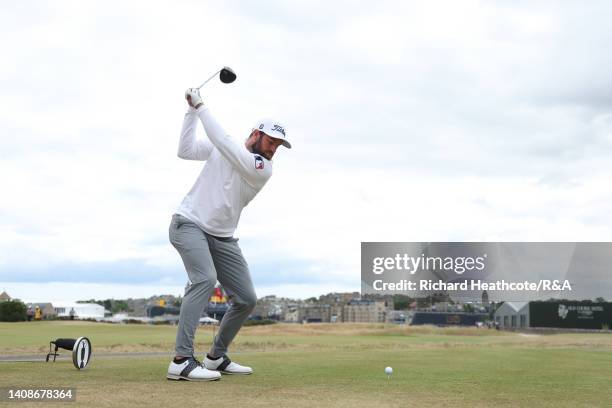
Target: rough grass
{"points": [[33, 337], [331, 365]]}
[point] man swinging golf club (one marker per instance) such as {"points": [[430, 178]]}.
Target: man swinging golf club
{"points": [[202, 232]]}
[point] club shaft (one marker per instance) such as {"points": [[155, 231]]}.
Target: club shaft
{"points": [[211, 77]]}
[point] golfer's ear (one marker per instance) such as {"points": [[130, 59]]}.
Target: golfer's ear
{"points": [[250, 138]]}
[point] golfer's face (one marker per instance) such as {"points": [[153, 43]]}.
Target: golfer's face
{"points": [[269, 145]]}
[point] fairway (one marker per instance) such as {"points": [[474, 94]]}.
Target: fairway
{"points": [[333, 365]]}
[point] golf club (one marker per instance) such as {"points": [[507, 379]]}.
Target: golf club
{"points": [[226, 75]]}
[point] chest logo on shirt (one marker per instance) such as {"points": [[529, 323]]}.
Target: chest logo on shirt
{"points": [[259, 163]]}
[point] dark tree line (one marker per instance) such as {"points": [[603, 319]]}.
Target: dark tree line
{"points": [[13, 311]]}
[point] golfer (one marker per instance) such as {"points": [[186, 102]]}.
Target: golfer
{"points": [[202, 232]]}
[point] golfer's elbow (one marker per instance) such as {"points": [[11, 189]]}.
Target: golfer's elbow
{"points": [[185, 155], [186, 150]]}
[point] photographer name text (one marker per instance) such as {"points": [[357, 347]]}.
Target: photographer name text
{"points": [[478, 285]]}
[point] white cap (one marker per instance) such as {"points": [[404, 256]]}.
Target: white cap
{"points": [[273, 129]]}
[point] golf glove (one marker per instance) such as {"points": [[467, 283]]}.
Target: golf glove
{"points": [[193, 97]]}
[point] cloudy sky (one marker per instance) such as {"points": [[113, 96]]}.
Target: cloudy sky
{"points": [[410, 121]]}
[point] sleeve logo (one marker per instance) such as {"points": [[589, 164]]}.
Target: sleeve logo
{"points": [[259, 163]]}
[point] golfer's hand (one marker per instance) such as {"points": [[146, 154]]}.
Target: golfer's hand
{"points": [[193, 97]]}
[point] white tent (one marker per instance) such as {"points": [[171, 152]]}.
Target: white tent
{"points": [[208, 320], [81, 310], [513, 315]]}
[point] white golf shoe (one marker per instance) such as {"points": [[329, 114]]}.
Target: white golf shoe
{"points": [[226, 366], [191, 370]]}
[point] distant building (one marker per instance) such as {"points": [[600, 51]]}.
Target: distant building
{"points": [[329, 308], [275, 308], [338, 298], [291, 316], [314, 313], [4, 297], [267, 308], [364, 311], [335, 313], [79, 310]]}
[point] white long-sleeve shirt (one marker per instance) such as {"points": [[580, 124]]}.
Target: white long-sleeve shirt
{"points": [[230, 179]]}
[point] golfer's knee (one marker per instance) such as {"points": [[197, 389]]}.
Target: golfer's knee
{"points": [[203, 284], [247, 302]]}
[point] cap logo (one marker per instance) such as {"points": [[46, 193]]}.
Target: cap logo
{"points": [[261, 126], [279, 129]]}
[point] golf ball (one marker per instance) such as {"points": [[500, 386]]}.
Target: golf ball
{"points": [[388, 371]]}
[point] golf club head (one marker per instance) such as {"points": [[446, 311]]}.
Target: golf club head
{"points": [[227, 75]]}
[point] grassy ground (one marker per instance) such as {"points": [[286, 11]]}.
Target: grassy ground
{"points": [[326, 365]]}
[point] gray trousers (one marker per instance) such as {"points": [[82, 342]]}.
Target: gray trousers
{"points": [[207, 259]]}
